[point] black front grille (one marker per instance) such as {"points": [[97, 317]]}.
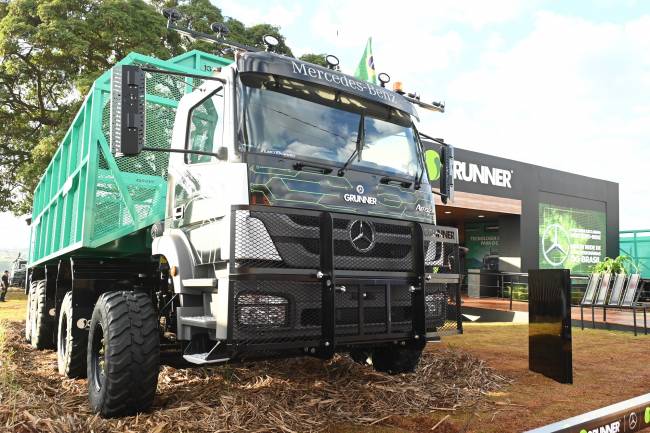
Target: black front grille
{"points": [[392, 248], [292, 239]]}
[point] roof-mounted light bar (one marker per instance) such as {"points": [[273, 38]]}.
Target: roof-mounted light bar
{"points": [[434, 106], [384, 78], [173, 16], [332, 62]]}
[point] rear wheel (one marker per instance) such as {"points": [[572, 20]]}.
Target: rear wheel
{"points": [[42, 324], [28, 313], [396, 360], [72, 343], [123, 354]]}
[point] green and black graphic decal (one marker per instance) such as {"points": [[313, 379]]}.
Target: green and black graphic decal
{"points": [[570, 238], [355, 192]]}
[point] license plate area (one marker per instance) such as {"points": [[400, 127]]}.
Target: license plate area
{"points": [[372, 309]]}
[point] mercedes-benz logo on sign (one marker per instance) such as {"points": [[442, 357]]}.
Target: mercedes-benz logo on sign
{"points": [[362, 235], [556, 244], [360, 189]]}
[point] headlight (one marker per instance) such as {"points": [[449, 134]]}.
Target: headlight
{"points": [[256, 309]]}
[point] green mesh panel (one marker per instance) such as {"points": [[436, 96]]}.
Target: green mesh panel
{"points": [[143, 175], [87, 198], [111, 213]]}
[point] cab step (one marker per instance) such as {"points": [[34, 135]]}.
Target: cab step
{"points": [[198, 283], [203, 359], [199, 321]]}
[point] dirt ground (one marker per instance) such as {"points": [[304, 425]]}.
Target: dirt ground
{"points": [[476, 382]]}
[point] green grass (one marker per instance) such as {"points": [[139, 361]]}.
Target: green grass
{"points": [[14, 307]]}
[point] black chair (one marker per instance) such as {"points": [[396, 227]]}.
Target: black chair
{"points": [[589, 296], [630, 300], [618, 288]]}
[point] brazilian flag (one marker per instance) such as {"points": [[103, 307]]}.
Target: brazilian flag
{"points": [[366, 69]]}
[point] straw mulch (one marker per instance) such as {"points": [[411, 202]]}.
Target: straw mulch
{"points": [[296, 395]]}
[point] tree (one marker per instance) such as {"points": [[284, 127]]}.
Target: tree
{"points": [[51, 51], [317, 59]]}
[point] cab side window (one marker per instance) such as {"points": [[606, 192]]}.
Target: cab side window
{"points": [[205, 128]]}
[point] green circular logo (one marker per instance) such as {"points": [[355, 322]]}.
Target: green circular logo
{"points": [[646, 417], [432, 161], [583, 431]]}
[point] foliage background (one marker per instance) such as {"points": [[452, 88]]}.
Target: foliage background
{"points": [[51, 51]]}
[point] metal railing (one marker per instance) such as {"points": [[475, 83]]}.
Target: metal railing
{"points": [[513, 286], [636, 244]]}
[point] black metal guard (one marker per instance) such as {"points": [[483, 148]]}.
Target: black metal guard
{"points": [[304, 248], [328, 297], [418, 296]]}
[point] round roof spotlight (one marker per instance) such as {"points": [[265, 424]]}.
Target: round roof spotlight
{"points": [[270, 41], [172, 15], [220, 29], [384, 78], [332, 61]]}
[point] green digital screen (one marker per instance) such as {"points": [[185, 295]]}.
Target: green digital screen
{"points": [[481, 240], [570, 238]]}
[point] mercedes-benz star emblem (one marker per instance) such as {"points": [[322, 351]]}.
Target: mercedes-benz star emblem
{"points": [[360, 189], [362, 235], [633, 420], [556, 245]]}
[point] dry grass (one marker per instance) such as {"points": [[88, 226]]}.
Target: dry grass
{"points": [[608, 367], [296, 395], [477, 382]]}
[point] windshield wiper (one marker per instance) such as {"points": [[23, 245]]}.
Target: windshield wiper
{"points": [[361, 132], [388, 179]]}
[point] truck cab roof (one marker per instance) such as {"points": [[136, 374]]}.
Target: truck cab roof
{"points": [[274, 64]]}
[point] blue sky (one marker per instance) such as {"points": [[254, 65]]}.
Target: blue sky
{"points": [[564, 84]]}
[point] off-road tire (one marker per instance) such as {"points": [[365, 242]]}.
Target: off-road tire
{"points": [[396, 360], [72, 343], [360, 356], [42, 323], [28, 312], [123, 354]]}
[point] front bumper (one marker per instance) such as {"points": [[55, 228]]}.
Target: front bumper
{"points": [[296, 281]]}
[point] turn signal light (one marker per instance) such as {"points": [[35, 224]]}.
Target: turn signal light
{"points": [[258, 197]]}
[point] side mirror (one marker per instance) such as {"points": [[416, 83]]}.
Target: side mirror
{"points": [[447, 175], [222, 153], [127, 110]]}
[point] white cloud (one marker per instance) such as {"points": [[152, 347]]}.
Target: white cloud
{"points": [[571, 95], [269, 13], [345, 23]]}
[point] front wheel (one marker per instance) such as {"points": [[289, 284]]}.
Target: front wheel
{"points": [[396, 360], [123, 354]]}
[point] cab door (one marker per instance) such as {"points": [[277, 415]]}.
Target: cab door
{"points": [[197, 201]]}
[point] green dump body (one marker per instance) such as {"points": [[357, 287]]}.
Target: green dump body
{"points": [[88, 202]]}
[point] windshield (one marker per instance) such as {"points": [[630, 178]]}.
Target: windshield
{"points": [[281, 123]]}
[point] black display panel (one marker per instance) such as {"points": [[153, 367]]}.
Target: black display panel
{"points": [[549, 329]]}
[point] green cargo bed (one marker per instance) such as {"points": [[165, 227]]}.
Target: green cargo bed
{"points": [[88, 202]]}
